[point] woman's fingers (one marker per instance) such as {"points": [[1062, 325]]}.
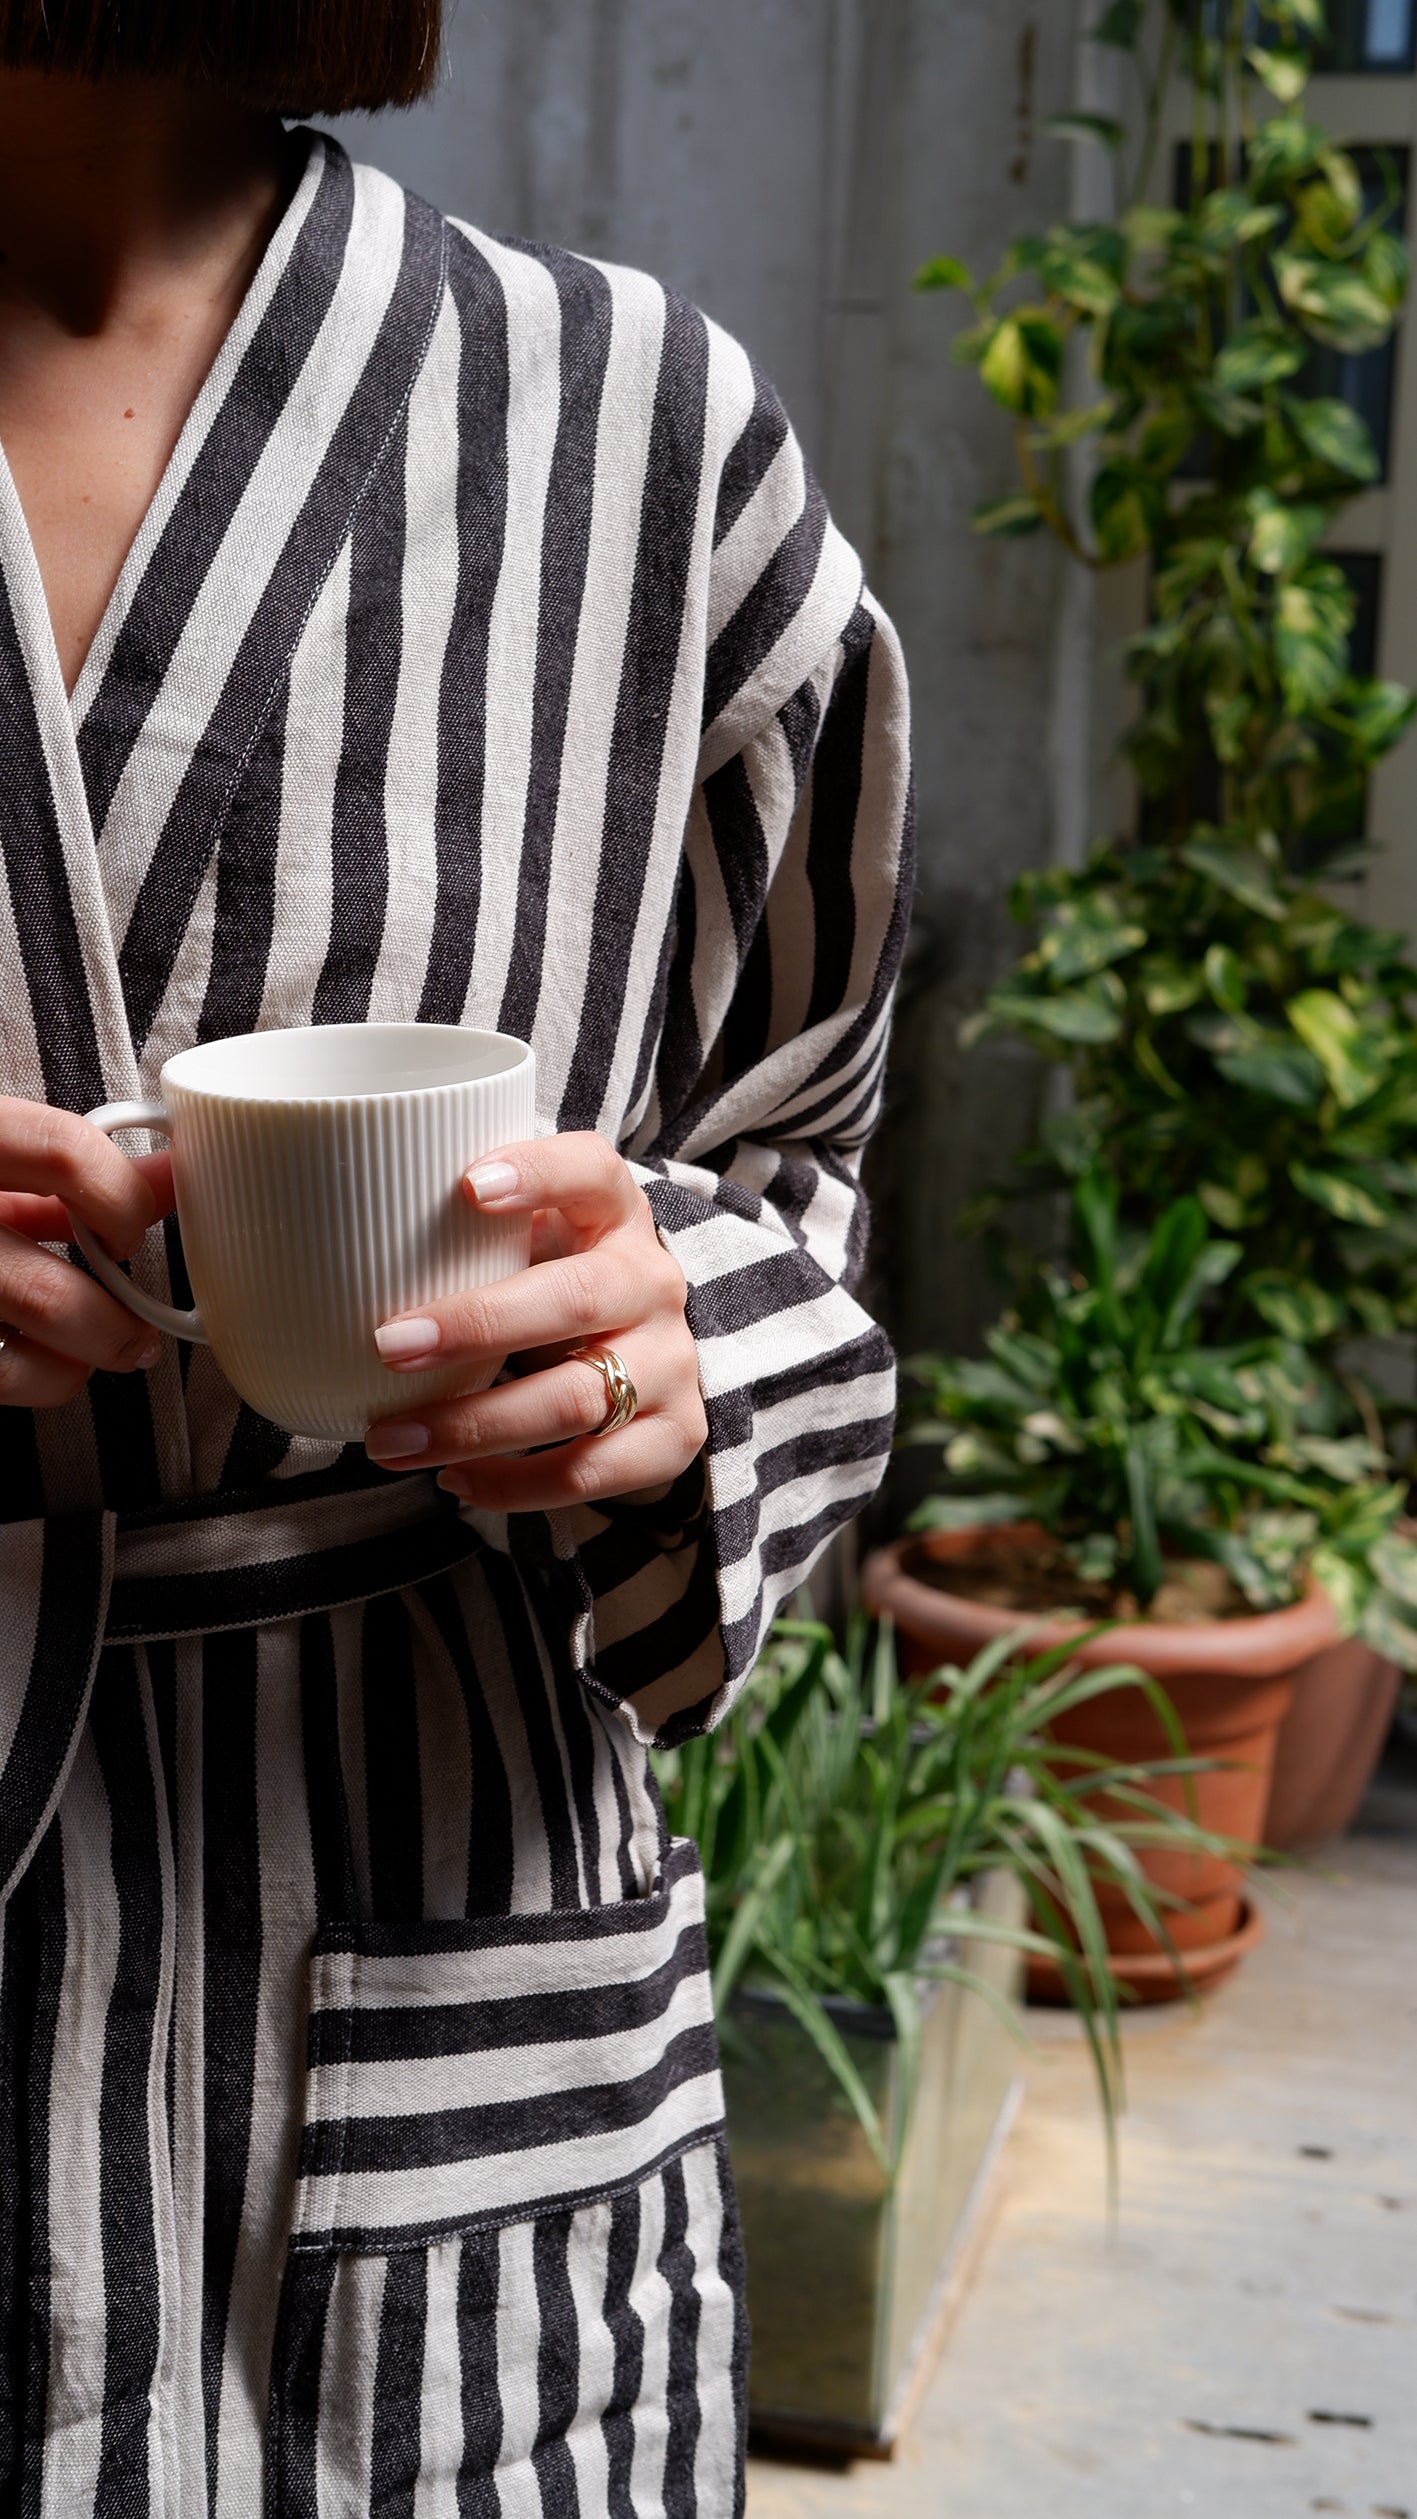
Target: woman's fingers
{"points": [[580, 1173], [34, 1377], [646, 1454], [550, 1407], [588, 1294], [602, 1277], [53, 1154], [48, 1220], [46, 1300]]}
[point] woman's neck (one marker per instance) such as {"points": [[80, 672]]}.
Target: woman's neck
{"points": [[116, 192], [133, 217]]}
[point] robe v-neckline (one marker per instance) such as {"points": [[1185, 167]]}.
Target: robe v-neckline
{"points": [[121, 788]]}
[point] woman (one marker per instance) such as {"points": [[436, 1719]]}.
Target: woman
{"points": [[395, 622]]}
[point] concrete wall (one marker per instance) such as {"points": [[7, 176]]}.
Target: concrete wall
{"points": [[788, 164]]}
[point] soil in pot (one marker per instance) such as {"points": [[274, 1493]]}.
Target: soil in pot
{"points": [[1021, 1568], [1229, 1677]]}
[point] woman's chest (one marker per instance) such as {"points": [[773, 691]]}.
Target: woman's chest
{"points": [[465, 802]]}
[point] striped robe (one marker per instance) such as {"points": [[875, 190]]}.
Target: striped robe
{"points": [[486, 655]]}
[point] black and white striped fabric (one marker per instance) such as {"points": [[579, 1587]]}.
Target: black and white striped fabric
{"points": [[486, 655]]}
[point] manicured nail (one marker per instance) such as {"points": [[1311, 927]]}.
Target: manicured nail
{"points": [[395, 1439], [490, 1181], [397, 1341], [148, 1354]]}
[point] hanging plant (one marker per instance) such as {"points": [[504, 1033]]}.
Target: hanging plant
{"points": [[1230, 1031]]}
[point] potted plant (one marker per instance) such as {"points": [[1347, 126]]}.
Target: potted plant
{"points": [[880, 1854], [1107, 1463], [1228, 1029]]}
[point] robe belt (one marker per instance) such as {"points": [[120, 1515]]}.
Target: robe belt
{"points": [[71, 1583], [248, 1560]]}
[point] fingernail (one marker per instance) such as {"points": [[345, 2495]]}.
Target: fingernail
{"points": [[148, 1354], [491, 1181], [400, 1339], [395, 1440]]}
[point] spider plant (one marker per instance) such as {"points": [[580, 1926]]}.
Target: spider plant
{"points": [[844, 1809]]}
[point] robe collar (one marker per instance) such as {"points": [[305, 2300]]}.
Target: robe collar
{"points": [[118, 796]]}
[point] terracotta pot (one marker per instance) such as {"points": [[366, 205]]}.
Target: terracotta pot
{"points": [[1230, 1680], [1329, 1743], [1149, 1976]]}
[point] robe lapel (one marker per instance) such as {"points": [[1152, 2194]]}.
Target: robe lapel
{"points": [[280, 452], [64, 1027]]}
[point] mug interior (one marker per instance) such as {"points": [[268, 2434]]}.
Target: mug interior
{"points": [[344, 1061]]}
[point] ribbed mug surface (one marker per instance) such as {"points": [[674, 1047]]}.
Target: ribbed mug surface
{"points": [[308, 1218]]}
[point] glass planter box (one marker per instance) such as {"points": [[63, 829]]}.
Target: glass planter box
{"points": [[845, 2273]]}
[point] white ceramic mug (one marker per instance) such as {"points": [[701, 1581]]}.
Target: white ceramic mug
{"points": [[318, 1176]]}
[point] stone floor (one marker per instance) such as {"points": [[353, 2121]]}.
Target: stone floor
{"points": [[1242, 2341]]}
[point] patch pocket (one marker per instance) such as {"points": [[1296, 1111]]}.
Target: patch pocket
{"points": [[467, 2075]]}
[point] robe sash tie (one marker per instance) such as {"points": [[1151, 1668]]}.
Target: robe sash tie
{"points": [[72, 1583]]}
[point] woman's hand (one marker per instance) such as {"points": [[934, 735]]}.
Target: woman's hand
{"points": [[600, 1277], [58, 1326]]}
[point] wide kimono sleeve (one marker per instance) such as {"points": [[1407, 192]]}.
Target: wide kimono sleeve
{"points": [[791, 917]]}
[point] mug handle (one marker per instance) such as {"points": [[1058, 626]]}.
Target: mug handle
{"points": [[108, 1117]]}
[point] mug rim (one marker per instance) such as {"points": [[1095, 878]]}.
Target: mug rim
{"points": [[171, 1071]]}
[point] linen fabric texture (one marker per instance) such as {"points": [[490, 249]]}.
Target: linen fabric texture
{"points": [[486, 656]]}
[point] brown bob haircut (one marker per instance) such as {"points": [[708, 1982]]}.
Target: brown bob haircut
{"points": [[288, 56]]}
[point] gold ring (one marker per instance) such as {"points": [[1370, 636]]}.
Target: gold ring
{"points": [[621, 1397]]}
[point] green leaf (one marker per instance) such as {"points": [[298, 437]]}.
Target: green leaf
{"points": [[1355, 1060], [1259, 354], [1385, 1627], [1285, 74], [1170, 987], [1124, 507], [1339, 1195], [1092, 1013], [1152, 229], [1166, 438], [1282, 537], [1338, 305], [1101, 127], [1349, 1458], [1345, 1584], [1023, 363], [944, 271], [1231, 415], [1310, 649], [1385, 268], [1238, 870], [1231, 217], [1394, 1562], [1223, 1206], [751, 1908], [1294, 1306], [1381, 715], [1225, 977], [1008, 518], [1071, 426], [1283, 148], [1088, 935], [1277, 1068], [1078, 277], [1335, 435], [1374, 1311]]}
